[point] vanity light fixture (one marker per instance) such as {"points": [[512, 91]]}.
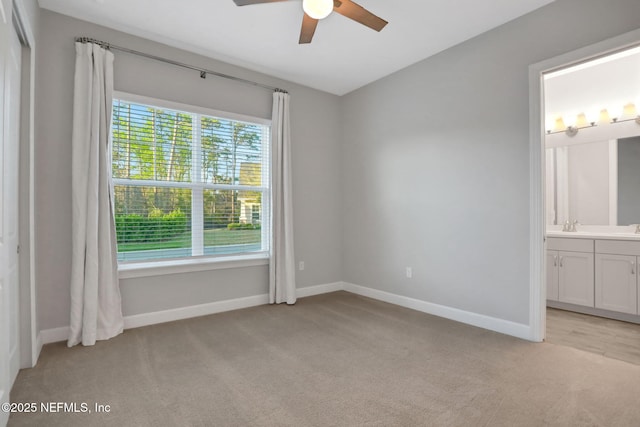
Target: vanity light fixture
{"points": [[572, 130], [581, 123], [629, 113]]}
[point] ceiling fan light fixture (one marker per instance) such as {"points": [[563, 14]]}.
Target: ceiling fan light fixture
{"points": [[317, 9]]}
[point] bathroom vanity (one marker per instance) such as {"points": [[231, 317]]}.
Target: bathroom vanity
{"points": [[592, 208], [595, 272]]}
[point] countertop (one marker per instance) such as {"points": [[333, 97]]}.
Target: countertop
{"points": [[594, 235]]}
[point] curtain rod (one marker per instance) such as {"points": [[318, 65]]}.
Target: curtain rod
{"points": [[203, 71]]}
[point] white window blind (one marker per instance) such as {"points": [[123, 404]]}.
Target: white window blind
{"points": [[187, 183]]}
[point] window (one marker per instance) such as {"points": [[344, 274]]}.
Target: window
{"points": [[188, 182]]}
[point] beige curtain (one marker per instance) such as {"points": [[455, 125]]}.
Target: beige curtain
{"points": [[282, 281], [96, 312]]}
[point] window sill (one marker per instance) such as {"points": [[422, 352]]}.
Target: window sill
{"points": [[161, 268]]}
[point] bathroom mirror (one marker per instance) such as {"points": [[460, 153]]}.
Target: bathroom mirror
{"points": [[596, 183]]}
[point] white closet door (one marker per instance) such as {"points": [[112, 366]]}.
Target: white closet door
{"points": [[10, 63]]}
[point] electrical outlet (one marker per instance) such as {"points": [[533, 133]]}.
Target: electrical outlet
{"points": [[301, 265], [409, 272]]}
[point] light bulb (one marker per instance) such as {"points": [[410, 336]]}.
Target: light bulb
{"points": [[604, 117], [592, 114], [560, 126], [629, 112], [615, 111], [570, 119], [317, 9], [581, 121], [548, 123]]}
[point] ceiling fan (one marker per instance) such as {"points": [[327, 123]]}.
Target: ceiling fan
{"points": [[315, 10]]}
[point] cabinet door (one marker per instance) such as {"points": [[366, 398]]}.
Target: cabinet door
{"points": [[552, 275], [616, 287], [576, 283]]}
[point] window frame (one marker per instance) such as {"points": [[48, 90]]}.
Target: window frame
{"points": [[199, 261]]}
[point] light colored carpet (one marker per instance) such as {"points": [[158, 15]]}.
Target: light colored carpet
{"points": [[331, 360]]}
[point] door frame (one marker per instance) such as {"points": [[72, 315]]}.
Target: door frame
{"points": [[537, 208], [29, 343]]}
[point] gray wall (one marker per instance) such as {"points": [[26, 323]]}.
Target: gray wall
{"points": [[629, 181], [426, 168], [316, 160], [436, 163]]}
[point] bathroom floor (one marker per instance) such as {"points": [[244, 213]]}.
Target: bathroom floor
{"points": [[608, 337]]}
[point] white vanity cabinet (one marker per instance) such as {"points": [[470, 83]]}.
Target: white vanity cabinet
{"points": [[570, 271], [575, 283], [616, 285]]}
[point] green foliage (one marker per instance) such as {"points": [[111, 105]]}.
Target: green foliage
{"points": [[150, 143], [215, 237], [157, 226], [128, 228], [216, 221], [242, 226]]}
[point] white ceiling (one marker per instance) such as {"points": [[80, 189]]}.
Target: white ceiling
{"points": [[343, 56]]}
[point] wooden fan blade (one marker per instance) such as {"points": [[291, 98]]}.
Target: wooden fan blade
{"points": [[359, 14], [308, 28], [250, 2]]}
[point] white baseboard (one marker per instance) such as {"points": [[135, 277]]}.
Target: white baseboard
{"points": [[507, 327], [519, 330], [181, 313], [39, 344], [48, 336], [319, 289]]}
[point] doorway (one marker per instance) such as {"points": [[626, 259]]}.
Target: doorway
{"points": [[18, 338], [547, 208]]}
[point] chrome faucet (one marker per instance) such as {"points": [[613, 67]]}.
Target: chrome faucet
{"points": [[571, 226]]}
